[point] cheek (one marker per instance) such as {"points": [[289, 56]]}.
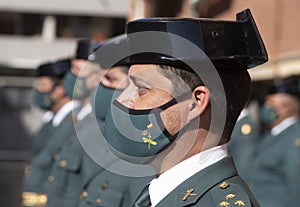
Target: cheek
{"points": [[91, 83], [44, 87], [145, 103], [57, 94], [172, 119]]}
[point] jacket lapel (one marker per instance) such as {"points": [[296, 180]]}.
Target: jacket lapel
{"points": [[191, 190]]}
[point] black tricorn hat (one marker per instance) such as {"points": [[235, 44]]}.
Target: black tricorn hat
{"points": [[55, 69], [224, 43], [113, 47], [85, 48], [285, 86]]}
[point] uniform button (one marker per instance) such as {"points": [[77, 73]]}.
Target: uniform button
{"points": [[63, 163], [51, 178], [297, 142], [98, 201], [104, 185], [56, 157], [83, 195], [246, 129]]}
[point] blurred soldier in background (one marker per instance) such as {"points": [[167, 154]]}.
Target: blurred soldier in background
{"points": [[243, 141], [275, 168], [50, 95], [100, 186], [66, 169]]}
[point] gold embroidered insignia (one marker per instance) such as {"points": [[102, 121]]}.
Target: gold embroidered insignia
{"points": [[230, 196], [224, 185], [240, 203], [188, 194], [145, 132], [146, 136], [149, 141], [149, 126], [224, 204]]}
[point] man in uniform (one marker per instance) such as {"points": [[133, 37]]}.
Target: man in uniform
{"points": [[78, 84], [157, 117], [100, 186], [49, 94], [243, 141], [275, 169]]}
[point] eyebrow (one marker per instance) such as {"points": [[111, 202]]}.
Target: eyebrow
{"points": [[137, 79]]}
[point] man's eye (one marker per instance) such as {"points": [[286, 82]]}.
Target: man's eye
{"points": [[142, 89], [107, 77]]}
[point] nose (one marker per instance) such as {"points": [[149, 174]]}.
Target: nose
{"points": [[128, 103], [126, 98]]}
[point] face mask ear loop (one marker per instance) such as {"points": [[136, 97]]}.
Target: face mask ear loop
{"points": [[169, 104], [174, 101], [181, 131]]}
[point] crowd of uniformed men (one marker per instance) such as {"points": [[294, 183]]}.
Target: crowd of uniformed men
{"points": [[78, 92]]}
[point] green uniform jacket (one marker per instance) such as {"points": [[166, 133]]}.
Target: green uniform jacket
{"points": [[108, 189], [275, 179], [242, 144], [41, 137], [42, 162], [102, 187], [68, 169], [215, 186]]}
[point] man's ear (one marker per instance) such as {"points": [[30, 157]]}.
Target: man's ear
{"points": [[200, 102]]}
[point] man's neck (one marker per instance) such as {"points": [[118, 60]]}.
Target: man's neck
{"points": [[189, 144], [283, 125], [60, 103], [86, 101]]}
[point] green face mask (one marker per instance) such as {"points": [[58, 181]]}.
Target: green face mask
{"points": [[75, 87], [138, 133], [42, 100], [102, 98], [268, 115]]}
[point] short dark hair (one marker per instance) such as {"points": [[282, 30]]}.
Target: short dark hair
{"points": [[124, 69], [237, 86]]}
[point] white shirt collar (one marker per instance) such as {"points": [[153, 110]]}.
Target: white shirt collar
{"points": [[169, 180], [84, 112], [283, 125], [64, 111], [243, 114], [47, 117]]}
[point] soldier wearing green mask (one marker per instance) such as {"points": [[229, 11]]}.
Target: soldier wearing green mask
{"points": [[275, 171], [100, 187], [188, 83], [67, 167], [243, 141], [50, 95]]}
